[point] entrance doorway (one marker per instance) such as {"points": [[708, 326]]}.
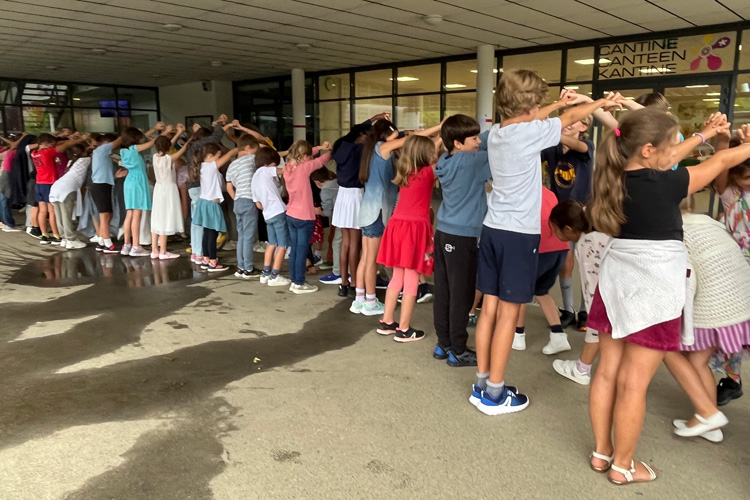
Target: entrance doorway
{"points": [[691, 99]]}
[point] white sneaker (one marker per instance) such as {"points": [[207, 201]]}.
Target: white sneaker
{"points": [[239, 274], [264, 279], [373, 309], [279, 280], [356, 307], [519, 342], [569, 370], [96, 239], [76, 245], [558, 342], [305, 288], [63, 243]]}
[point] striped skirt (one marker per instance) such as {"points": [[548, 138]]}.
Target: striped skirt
{"points": [[728, 339]]}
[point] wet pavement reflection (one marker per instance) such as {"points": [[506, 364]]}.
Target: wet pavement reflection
{"points": [[68, 268]]}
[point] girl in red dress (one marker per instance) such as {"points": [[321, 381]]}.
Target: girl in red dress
{"points": [[407, 244]]}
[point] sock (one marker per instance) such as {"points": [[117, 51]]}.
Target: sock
{"points": [[370, 298], [583, 367], [520, 330], [557, 329], [482, 379], [267, 269], [275, 272], [495, 390], [566, 287], [107, 243], [582, 309], [360, 295]]}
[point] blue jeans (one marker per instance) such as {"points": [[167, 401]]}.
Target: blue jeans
{"points": [[196, 231], [300, 232], [247, 218], [6, 214]]}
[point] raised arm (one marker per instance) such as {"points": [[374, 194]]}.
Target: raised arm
{"points": [[181, 151], [702, 175], [578, 113], [712, 126], [116, 144], [387, 147], [237, 126], [179, 129], [62, 146], [722, 142], [574, 144], [226, 158]]}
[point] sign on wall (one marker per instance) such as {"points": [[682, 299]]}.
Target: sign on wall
{"points": [[668, 56]]}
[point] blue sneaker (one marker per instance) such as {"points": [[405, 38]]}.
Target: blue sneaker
{"points": [[356, 307], [440, 352], [466, 358], [476, 393], [381, 284], [331, 279], [508, 402]]}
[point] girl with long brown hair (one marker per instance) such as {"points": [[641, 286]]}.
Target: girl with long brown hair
{"points": [[638, 304]]}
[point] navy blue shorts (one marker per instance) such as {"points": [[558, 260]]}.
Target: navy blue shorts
{"points": [[42, 192], [507, 264], [550, 265]]}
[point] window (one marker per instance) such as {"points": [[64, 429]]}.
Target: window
{"points": [[136, 98], [418, 112], [333, 120], [8, 93], [334, 86], [745, 50], [91, 120], [546, 64], [464, 103], [418, 79], [91, 96], [581, 88], [461, 75], [367, 108], [742, 102], [39, 119], [580, 65], [373, 83]]}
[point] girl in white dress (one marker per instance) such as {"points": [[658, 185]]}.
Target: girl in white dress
{"points": [[166, 213]]}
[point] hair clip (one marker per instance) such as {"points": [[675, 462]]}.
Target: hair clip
{"points": [[617, 132]]}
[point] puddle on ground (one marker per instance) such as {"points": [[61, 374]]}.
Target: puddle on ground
{"points": [[88, 266]]}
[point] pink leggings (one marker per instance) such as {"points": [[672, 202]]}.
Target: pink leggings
{"points": [[406, 279]]}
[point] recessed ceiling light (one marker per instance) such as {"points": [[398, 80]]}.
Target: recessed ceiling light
{"points": [[50, 67], [455, 86], [713, 93], [405, 79], [172, 27], [476, 71], [572, 87], [695, 86], [302, 46], [216, 64], [155, 76], [99, 51], [589, 62], [433, 19], [76, 98]]}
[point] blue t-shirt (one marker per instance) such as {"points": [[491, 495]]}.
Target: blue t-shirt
{"points": [[101, 165], [462, 176], [380, 192], [570, 174]]}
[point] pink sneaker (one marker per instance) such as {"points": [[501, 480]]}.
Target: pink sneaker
{"points": [[154, 255], [168, 255], [139, 252]]}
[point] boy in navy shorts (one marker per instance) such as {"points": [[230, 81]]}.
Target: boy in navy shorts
{"points": [[509, 244]]}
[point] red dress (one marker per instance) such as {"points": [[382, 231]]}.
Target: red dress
{"points": [[408, 237]]}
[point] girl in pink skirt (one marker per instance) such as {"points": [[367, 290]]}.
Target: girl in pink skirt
{"points": [[637, 307]]}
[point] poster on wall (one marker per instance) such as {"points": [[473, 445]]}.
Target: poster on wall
{"points": [[668, 56]]}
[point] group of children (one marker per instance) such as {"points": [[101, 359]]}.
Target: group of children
{"points": [[657, 280]]}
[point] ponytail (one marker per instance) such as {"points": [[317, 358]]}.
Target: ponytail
{"points": [[615, 151], [380, 131], [199, 157], [605, 210]]}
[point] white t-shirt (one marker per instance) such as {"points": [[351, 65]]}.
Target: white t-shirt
{"points": [[211, 182], [265, 189], [71, 181], [514, 153]]}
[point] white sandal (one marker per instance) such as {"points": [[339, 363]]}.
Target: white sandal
{"points": [[600, 470], [629, 474]]}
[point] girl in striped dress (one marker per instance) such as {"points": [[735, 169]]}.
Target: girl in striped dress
{"points": [[718, 316]]}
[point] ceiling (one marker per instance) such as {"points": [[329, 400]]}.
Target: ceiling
{"points": [[53, 39]]}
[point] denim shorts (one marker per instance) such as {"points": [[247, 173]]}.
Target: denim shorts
{"points": [[376, 229], [278, 233]]}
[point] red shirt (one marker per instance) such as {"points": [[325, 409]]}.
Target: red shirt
{"points": [[549, 242], [44, 161]]}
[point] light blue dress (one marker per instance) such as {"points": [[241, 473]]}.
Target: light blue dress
{"points": [[136, 189]]}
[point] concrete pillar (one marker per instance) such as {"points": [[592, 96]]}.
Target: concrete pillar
{"points": [[298, 104], [485, 85]]}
